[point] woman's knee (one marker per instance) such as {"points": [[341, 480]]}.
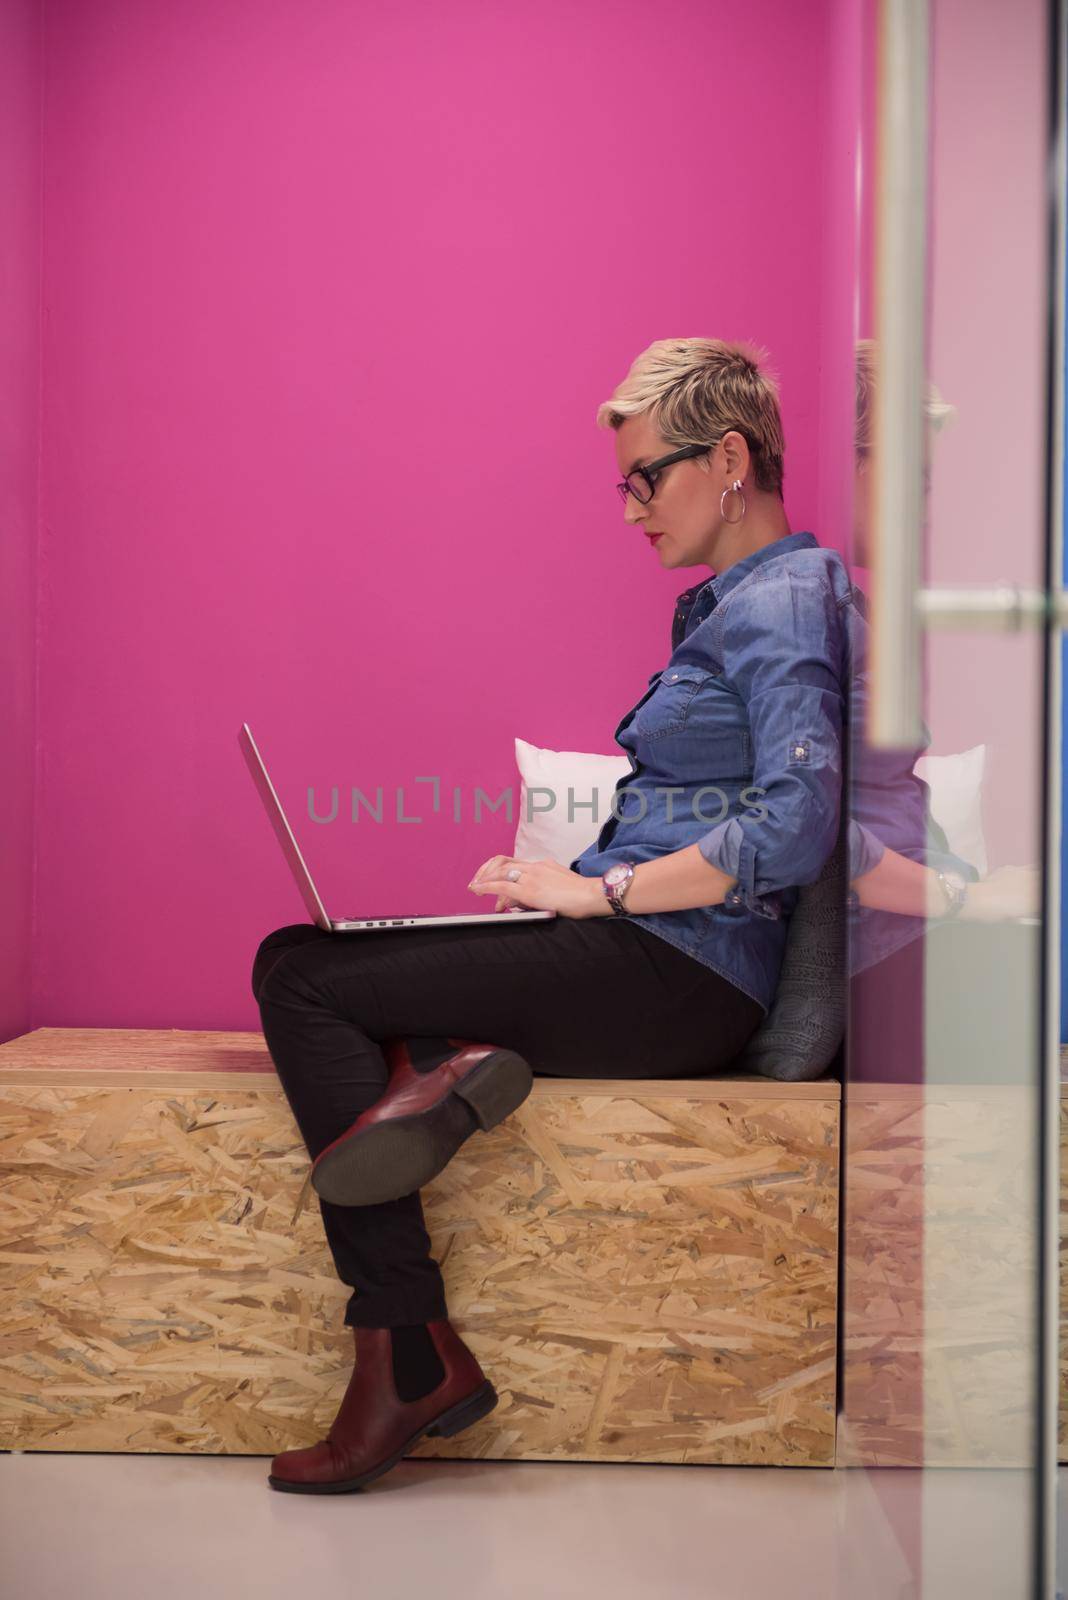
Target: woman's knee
{"points": [[278, 944]]}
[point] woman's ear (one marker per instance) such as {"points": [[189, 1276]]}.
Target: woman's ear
{"points": [[735, 455]]}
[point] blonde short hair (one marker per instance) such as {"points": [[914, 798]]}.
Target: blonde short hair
{"points": [[696, 390], [937, 411]]}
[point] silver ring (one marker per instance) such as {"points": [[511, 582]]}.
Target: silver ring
{"points": [[512, 875]]}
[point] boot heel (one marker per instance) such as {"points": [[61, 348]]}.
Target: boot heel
{"points": [[496, 1087], [476, 1406]]}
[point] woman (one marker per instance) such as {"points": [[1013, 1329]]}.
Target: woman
{"points": [[663, 967]]}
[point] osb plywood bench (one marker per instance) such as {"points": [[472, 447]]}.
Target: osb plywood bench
{"points": [[647, 1270]]}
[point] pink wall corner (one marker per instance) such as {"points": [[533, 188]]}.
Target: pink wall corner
{"points": [[332, 298], [839, 305], [20, 267]]}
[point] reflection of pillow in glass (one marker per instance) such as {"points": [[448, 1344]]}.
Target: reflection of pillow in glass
{"points": [[956, 801], [549, 834]]}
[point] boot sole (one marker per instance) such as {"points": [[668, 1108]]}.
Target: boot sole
{"points": [[460, 1416], [391, 1159]]}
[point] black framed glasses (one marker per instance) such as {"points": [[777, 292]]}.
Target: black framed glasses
{"points": [[641, 483]]}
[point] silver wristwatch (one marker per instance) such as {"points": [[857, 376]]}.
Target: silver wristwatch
{"points": [[955, 889], [615, 883]]}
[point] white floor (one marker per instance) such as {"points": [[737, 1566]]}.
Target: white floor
{"points": [[207, 1527]]}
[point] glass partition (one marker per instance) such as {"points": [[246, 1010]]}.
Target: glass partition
{"points": [[949, 1099]]}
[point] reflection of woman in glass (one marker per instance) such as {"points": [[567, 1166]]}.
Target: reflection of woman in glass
{"points": [[906, 881], [901, 866], [665, 952]]}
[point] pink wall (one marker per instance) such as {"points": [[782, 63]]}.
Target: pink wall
{"points": [[20, 343], [331, 298], [988, 301]]}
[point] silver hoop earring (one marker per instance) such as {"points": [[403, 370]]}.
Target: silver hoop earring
{"points": [[735, 488]]}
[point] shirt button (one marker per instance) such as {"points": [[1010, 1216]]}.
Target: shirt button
{"points": [[674, 675]]}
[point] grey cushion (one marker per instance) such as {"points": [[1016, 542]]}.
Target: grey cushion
{"points": [[801, 1034]]}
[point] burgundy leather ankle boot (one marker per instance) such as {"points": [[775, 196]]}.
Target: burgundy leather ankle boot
{"points": [[374, 1428], [417, 1126]]}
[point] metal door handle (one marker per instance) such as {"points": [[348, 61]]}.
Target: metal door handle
{"points": [[1006, 607]]}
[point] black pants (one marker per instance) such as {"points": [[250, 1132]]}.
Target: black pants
{"points": [[577, 997]]}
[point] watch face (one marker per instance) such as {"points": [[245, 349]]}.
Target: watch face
{"points": [[617, 874]]}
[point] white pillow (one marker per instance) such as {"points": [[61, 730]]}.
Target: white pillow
{"points": [[956, 801], [549, 834], [955, 782]]}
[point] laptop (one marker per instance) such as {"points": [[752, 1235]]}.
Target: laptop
{"points": [[316, 910]]}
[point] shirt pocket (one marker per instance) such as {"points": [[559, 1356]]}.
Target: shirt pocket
{"points": [[668, 707], [693, 730]]}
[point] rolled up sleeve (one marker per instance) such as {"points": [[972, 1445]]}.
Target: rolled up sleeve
{"points": [[784, 653], [865, 849]]}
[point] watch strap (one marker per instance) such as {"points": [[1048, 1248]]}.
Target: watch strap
{"points": [[955, 894]]}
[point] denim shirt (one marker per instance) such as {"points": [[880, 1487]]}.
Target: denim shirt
{"points": [[889, 808], [739, 745]]}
